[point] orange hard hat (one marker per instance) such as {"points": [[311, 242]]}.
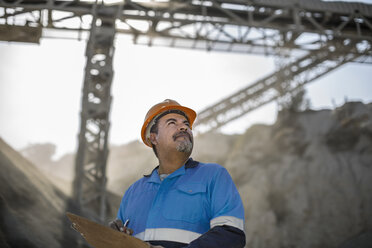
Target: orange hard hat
{"points": [[158, 109]]}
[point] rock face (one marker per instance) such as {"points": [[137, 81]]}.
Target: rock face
{"points": [[31, 207], [305, 181], [126, 164]]}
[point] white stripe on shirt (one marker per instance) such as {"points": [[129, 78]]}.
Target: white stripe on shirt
{"points": [[168, 234], [227, 220]]}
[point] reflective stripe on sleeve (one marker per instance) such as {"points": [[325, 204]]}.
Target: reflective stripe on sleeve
{"points": [[227, 220], [168, 234]]}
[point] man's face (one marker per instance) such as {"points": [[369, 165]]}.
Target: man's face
{"points": [[174, 133]]}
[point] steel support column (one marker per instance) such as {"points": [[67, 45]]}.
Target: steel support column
{"points": [[89, 190]]}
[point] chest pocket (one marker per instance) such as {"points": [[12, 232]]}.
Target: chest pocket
{"points": [[185, 203]]}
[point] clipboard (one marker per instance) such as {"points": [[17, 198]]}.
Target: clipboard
{"points": [[100, 236]]}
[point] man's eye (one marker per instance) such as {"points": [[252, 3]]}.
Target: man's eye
{"points": [[171, 122]]}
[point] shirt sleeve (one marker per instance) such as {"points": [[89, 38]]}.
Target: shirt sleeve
{"points": [[227, 211], [226, 204], [220, 236]]}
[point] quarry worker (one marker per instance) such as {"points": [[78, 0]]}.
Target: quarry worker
{"points": [[182, 202]]}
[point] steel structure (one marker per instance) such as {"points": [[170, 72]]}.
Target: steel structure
{"points": [[319, 36], [279, 84], [259, 26], [90, 170]]}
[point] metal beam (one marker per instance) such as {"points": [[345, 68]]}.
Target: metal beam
{"points": [[280, 83], [20, 33], [89, 189], [260, 27]]}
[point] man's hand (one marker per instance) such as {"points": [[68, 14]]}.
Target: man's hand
{"points": [[118, 226]]}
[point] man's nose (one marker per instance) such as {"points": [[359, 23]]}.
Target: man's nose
{"points": [[183, 127]]}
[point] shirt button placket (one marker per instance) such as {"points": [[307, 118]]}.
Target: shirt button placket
{"points": [[156, 206]]}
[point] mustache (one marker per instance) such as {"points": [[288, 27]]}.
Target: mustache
{"points": [[181, 133]]}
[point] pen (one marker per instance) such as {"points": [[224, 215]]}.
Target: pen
{"points": [[121, 228]]}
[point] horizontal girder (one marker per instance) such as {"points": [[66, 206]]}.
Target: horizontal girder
{"points": [[261, 26]]}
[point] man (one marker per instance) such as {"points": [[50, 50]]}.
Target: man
{"points": [[182, 203]]}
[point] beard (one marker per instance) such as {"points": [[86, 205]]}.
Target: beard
{"points": [[185, 146]]}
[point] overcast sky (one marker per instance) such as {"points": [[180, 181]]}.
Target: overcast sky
{"points": [[40, 88]]}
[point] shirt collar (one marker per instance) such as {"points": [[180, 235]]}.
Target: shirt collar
{"points": [[190, 163], [154, 177]]}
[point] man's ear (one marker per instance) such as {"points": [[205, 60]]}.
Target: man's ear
{"points": [[153, 138]]}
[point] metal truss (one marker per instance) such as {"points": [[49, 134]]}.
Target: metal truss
{"points": [[280, 83], [260, 26], [89, 190]]}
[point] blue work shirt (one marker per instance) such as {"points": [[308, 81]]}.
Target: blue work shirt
{"points": [[185, 205]]}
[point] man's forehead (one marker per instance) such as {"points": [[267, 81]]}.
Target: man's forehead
{"points": [[173, 116]]}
